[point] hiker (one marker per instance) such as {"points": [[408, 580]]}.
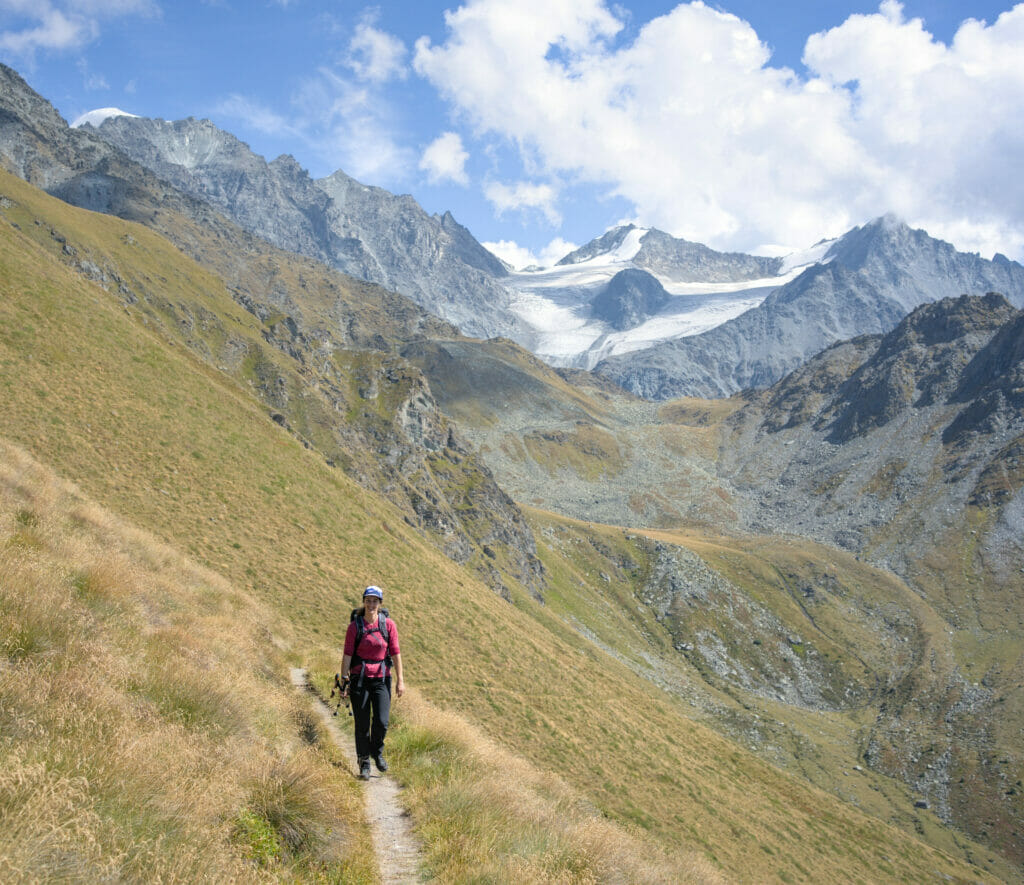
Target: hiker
{"points": [[371, 650]]}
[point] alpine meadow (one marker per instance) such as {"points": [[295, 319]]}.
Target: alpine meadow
{"points": [[742, 606]]}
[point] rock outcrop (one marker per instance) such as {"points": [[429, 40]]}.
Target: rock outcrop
{"points": [[630, 297]]}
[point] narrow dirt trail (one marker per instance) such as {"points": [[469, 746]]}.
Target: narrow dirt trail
{"points": [[399, 856]]}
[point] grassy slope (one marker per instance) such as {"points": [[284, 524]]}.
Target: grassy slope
{"points": [[152, 433], [143, 732], [591, 589]]}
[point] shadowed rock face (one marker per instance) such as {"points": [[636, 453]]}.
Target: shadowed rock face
{"points": [[991, 386], [630, 297], [886, 429], [917, 364]]}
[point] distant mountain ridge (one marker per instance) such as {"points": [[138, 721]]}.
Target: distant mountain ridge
{"points": [[868, 280], [364, 231], [731, 321], [681, 260]]}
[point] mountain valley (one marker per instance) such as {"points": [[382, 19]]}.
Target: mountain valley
{"points": [[811, 583]]}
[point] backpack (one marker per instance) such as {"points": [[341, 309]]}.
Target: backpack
{"points": [[361, 631]]}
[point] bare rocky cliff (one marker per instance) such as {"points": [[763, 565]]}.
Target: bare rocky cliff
{"points": [[363, 231], [873, 420]]}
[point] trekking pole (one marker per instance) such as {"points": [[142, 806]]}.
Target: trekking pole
{"points": [[339, 688]]}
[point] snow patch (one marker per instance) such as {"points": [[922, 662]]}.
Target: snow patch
{"points": [[799, 261], [96, 117], [564, 334], [628, 248]]}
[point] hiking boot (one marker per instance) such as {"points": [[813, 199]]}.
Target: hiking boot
{"points": [[380, 762], [364, 768]]}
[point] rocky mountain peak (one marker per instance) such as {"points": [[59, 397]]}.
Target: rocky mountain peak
{"points": [[25, 102], [469, 250], [362, 230], [884, 235], [631, 297], [188, 143], [921, 362], [607, 242], [685, 261], [287, 164]]}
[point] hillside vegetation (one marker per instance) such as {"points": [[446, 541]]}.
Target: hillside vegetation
{"points": [[146, 734], [917, 661], [112, 400]]}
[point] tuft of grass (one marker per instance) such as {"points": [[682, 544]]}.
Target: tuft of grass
{"points": [[295, 796], [258, 837]]}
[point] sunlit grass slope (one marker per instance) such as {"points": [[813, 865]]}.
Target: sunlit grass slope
{"points": [[153, 434], [598, 584], [145, 733]]}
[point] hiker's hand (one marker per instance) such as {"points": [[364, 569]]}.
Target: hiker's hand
{"points": [[400, 688]]}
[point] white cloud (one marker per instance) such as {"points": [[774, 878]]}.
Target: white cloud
{"points": [[944, 123], [519, 256], [375, 55], [351, 126], [59, 26], [92, 81], [253, 114], [691, 124], [49, 29], [445, 160], [523, 196], [344, 124]]}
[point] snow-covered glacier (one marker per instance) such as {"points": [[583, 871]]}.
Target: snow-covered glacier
{"points": [[555, 304]]}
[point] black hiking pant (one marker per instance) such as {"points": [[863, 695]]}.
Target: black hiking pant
{"points": [[371, 707]]}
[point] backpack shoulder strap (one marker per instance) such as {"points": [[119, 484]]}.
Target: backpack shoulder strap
{"points": [[360, 633]]}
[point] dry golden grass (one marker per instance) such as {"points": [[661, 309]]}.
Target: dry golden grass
{"points": [[490, 816], [144, 718], [589, 451]]}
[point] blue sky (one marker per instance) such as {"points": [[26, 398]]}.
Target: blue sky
{"points": [[541, 123]]}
